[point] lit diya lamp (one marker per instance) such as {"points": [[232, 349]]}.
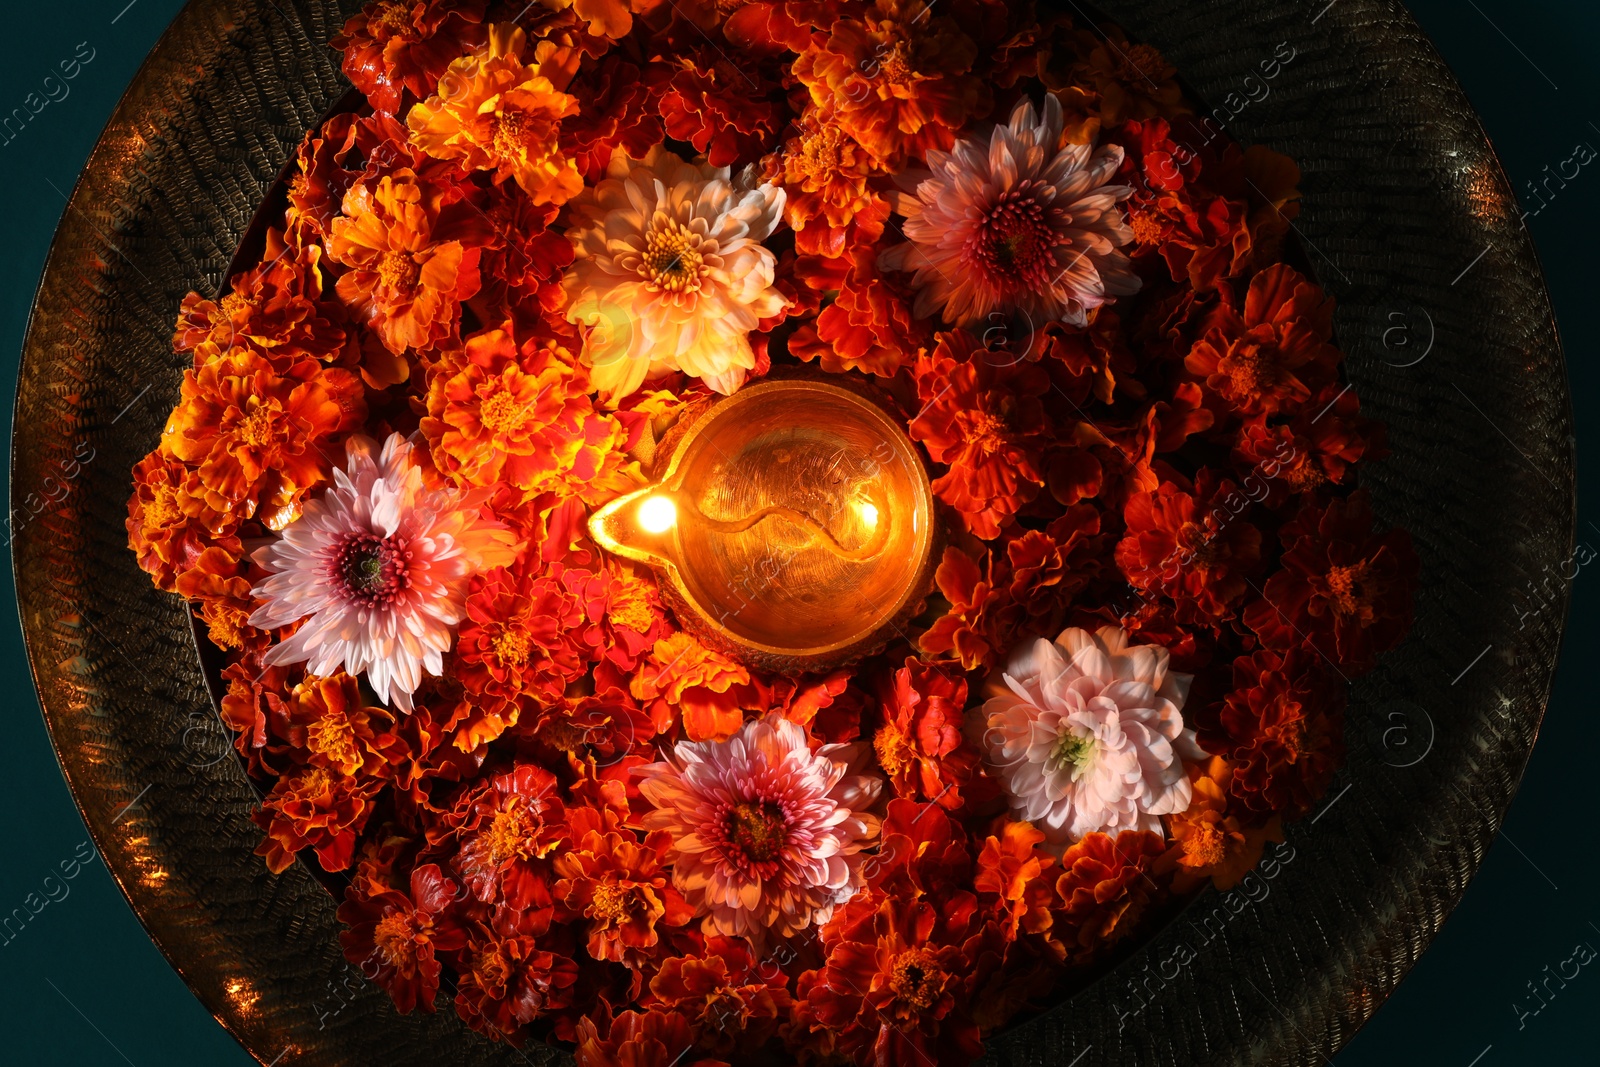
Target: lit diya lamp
{"points": [[792, 523]]}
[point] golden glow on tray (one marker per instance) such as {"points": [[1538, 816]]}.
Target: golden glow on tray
{"points": [[793, 522]]}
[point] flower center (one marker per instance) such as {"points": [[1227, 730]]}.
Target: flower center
{"points": [[1350, 590], [399, 272], [334, 738], [1147, 229], [394, 16], [373, 570], [234, 303], [610, 902], [163, 508], [758, 829], [890, 745], [1251, 369], [1199, 542], [1140, 64], [672, 259], [501, 413], [1073, 750], [1205, 844], [511, 648], [510, 835], [517, 132], [257, 429], [916, 978], [394, 938], [1013, 248]]}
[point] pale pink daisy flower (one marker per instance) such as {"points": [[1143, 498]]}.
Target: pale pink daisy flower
{"points": [[378, 567], [1015, 225], [767, 834], [1087, 735]]}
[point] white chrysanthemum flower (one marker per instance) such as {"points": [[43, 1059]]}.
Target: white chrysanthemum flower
{"points": [[1014, 225], [1087, 735], [766, 834], [378, 567], [670, 273]]}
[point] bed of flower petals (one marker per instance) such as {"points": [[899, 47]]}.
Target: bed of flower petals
{"points": [[499, 281]]}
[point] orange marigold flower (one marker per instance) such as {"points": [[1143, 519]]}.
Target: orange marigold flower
{"points": [[638, 1039], [317, 808], [217, 580], [256, 708], [1283, 728], [867, 326], [332, 723], [1124, 80], [619, 111], [1102, 891], [983, 416], [507, 981], [730, 112], [726, 993], [707, 688], [498, 412], [495, 112], [259, 438], [620, 887], [899, 81], [169, 521], [407, 275], [1011, 870], [919, 744], [277, 308], [897, 986], [394, 46], [1208, 842], [824, 172], [967, 628], [1269, 359], [395, 938]]}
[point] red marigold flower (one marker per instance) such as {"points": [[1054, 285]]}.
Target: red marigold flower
{"points": [[519, 414], [1208, 840], [709, 690], [830, 204], [734, 999], [1102, 891], [521, 271], [508, 981], [984, 418], [619, 111], [411, 260], [619, 886], [1271, 358], [919, 744], [923, 852], [276, 307], [1194, 546], [1319, 446], [395, 938], [867, 326], [897, 985], [331, 721], [730, 112], [509, 828], [1342, 590], [256, 708], [169, 522], [1283, 728], [519, 640], [637, 1039], [346, 150], [897, 80], [256, 437], [1125, 80], [396, 46], [317, 808]]}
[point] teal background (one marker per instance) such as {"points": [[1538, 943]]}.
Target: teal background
{"points": [[83, 985]]}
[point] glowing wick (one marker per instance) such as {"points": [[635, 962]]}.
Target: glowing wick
{"points": [[658, 514], [869, 515]]}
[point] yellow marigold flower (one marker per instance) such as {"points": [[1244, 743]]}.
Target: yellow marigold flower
{"points": [[495, 112]]}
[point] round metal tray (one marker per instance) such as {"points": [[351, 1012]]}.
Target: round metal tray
{"points": [[1407, 219]]}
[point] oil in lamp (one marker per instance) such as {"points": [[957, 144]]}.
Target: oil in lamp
{"points": [[792, 524]]}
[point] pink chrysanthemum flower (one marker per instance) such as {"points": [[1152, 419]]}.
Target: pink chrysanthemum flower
{"points": [[1016, 226], [378, 568], [767, 835], [1087, 735]]}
